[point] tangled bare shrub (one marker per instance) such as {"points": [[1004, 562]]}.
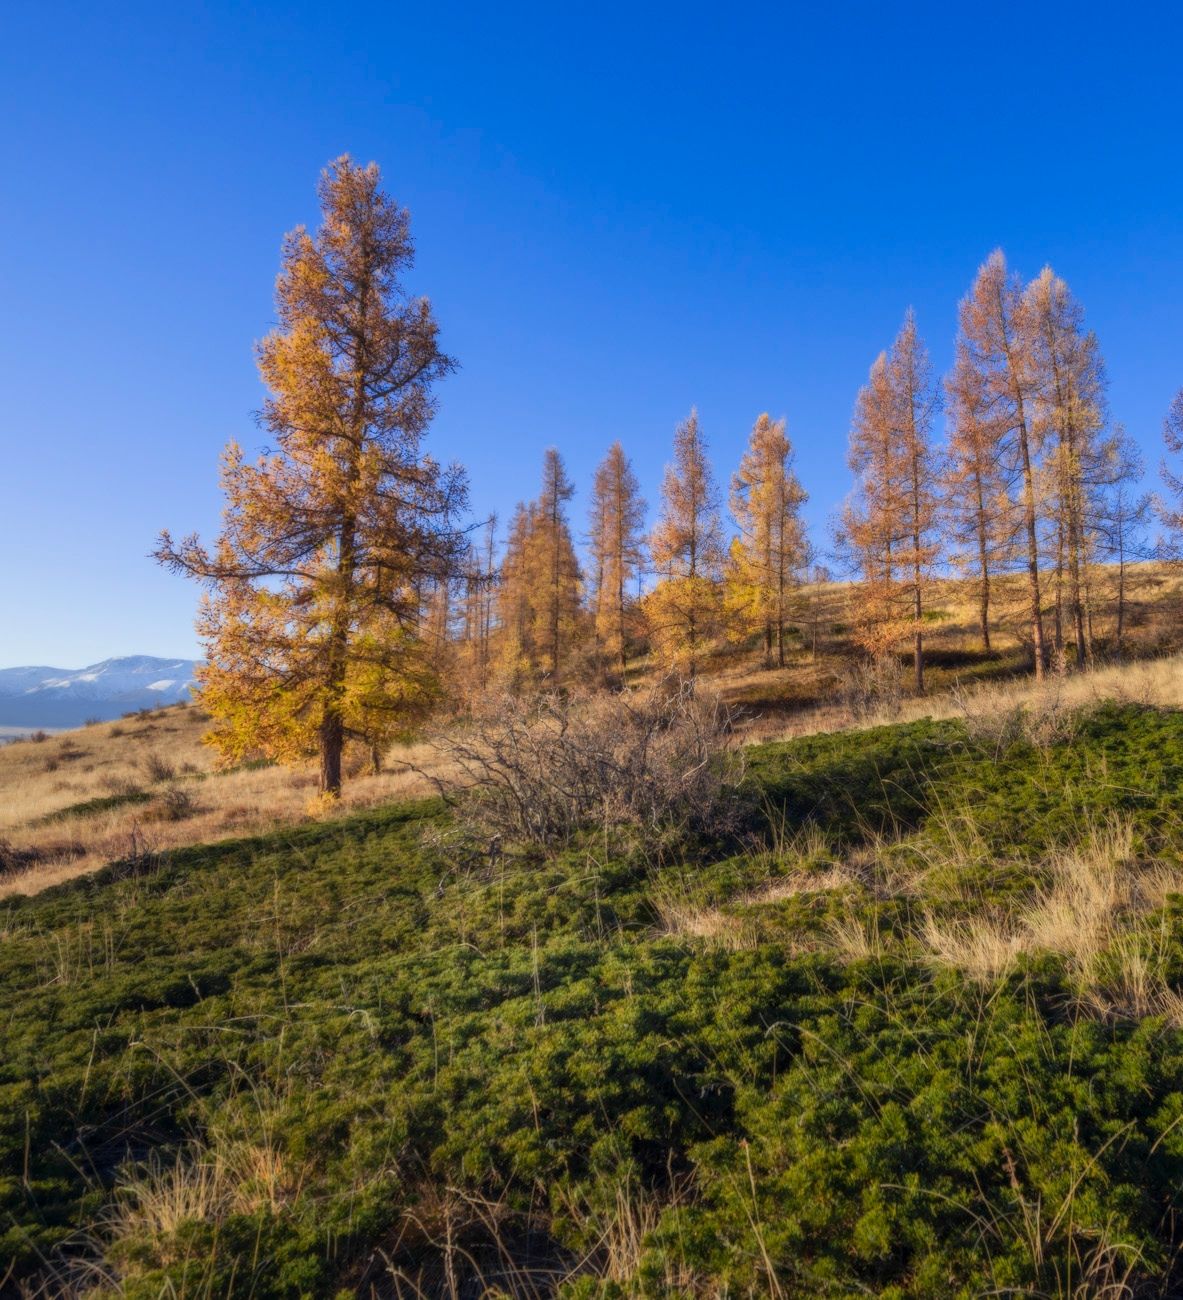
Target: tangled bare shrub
{"points": [[14, 860], [174, 805], [158, 768], [658, 764]]}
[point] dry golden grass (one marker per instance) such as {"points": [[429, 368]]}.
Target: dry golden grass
{"points": [[208, 1180], [857, 938], [160, 762], [806, 696], [1090, 911], [717, 928], [1154, 683], [797, 863]]}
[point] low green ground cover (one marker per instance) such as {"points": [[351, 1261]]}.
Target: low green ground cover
{"points": [[352, 1059]]}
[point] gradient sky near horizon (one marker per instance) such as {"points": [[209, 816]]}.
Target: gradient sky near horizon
{"points": [[620, 211]]}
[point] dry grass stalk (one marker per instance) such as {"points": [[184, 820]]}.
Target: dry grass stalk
{"points": [[1089, 911], [716, 927]]}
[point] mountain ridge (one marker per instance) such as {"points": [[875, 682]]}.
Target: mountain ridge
{"points": [[40, 695]]}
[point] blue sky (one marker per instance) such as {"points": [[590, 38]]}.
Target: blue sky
{"points": [[620, 211]]}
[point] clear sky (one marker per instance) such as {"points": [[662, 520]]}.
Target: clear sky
{"points": [[620, 211]]}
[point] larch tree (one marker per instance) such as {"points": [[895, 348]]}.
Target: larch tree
{"points": [[555, 565], [617, 543], [686, 549], [977, 486], [1069, 418], [819, 578], [768, 555], [891, 523], [1171, 511], [539, 594], [1120, 521], [313, 618], [869, 527], [995, 341], [514, 603], [481, 601], [918, 399]]}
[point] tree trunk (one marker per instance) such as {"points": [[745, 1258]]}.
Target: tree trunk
{"points": [[917, 539], [1089, 633], [918, 654], [1059, 602], [1033, 566], [620, 628], [983, 526], [332, 725], [332, 742]]}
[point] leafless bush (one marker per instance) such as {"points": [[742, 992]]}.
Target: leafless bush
{"points": [[657, 764], [159, 769], [14, 860], [873, 688], [175, 805]]}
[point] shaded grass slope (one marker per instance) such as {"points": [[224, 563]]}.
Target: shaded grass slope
{"points": [[350, 1059]]}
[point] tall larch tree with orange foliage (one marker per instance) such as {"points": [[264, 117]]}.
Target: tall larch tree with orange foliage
{"points": [[918, 400], [994, 338], [977, 487], [869, 527], [616, 538], [516, 654], [312, 622], [555, 565], [480, 591], [892, 521], [1078, 454], [768, 555], [539, 609], [686, 549], [1122, 514]]}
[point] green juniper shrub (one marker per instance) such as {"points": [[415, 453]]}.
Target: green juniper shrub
{"points": [[355, 1053]]}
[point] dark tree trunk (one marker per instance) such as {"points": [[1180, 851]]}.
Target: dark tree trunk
{"points": [[984, 615], [332, 742]]}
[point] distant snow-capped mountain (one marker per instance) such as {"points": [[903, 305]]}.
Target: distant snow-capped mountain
{"points": [[65, 697]]}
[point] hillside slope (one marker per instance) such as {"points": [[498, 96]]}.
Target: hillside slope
{"points": [[921, 1040]]}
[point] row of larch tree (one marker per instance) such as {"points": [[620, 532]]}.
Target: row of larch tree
{"points": [[674, 590], [1033, 477], [348, 592]]}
